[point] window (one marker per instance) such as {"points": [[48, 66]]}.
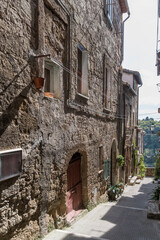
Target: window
{"points": [[10, 163], [106, 169], [52, 79], [100, 157], [134, 119], [107, 85], [109, 9], [134, 84], [82, 73]]}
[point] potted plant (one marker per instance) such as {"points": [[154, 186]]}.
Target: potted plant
{"points": [[121, 187], [120, 160], [112, 193]]}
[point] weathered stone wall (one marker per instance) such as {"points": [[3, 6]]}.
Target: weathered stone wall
{"points": [[51, 130], [149, 172]]}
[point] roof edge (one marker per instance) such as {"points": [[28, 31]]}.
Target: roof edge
{"points": [[136, 75]]}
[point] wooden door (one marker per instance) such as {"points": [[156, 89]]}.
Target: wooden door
{"points": [[74, 185]]}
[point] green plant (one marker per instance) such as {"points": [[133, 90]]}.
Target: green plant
{"points": [[50, 226], [120, 160], [156, 193], [115, 191], [135, 158], [121, 186], [38, 237], [157, 166], [142, 168], [155, 178]]}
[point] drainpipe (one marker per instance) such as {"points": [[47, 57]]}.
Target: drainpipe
{"points": [[138, 102], [137, 114], [123, 32], [121, 63]]}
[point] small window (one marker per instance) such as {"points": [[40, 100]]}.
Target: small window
{"points": [[134, 85], [107, 86], [82, 73], [100, 157], [52, 79], [109, 9], [10, 163]]}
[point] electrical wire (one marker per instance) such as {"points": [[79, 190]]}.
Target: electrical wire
{"points": [[148, 113], [92, 20], [86, 84]]}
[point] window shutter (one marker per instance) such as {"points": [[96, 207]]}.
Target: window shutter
{"points": [[106, 168], [85, 73]]}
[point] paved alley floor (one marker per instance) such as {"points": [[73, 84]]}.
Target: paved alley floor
{"points": [[122, 220]]}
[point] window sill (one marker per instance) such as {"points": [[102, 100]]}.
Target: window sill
{"points": [[83, 96], [9, 177], [49, 94]]}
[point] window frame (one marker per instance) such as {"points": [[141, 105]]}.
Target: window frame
{"points": [[107, 84], [19, 170], [109, 10], [55, 90], [100, 158], [134, 85], [81, 90]]}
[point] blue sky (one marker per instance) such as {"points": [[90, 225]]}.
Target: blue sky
{"points": [[140, 53]]}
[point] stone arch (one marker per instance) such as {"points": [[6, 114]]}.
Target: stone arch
{"points": [[114, 166]]}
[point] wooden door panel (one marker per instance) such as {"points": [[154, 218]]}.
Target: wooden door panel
{"points": [[74, 174], [74, 186], [77, 197]]}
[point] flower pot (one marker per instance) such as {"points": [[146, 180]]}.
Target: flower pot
{"points": [[112, 197], [39, 82]]}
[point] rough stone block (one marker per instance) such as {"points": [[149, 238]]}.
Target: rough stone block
{"points": [[153, 210]]}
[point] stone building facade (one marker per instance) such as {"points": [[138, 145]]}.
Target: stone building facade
{"points": [[66, 125], [130, 132]]}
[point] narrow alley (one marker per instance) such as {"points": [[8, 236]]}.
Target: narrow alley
{"points": [[122, 220], [79, 119]]}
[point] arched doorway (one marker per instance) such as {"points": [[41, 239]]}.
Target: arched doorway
{"points": [[113, 167], [74, 184]]}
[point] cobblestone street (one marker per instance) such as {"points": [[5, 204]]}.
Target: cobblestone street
{"points": [[122, 220]]}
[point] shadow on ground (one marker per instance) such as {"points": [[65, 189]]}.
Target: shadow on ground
{"points": [[126, 220]]}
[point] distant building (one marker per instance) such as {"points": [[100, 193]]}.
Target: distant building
{"points": [[131, 83]]}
